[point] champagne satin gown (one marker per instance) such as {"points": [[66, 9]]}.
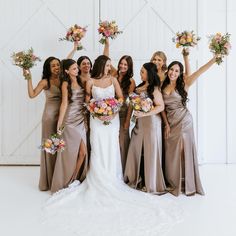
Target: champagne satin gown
{"points": [[181, 164], [49, 126], [124, 137], [146, 138], [74, 133]]}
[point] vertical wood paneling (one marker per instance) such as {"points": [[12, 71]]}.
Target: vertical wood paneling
{"points": [[38, 24], [231, 85], [212, 97], [148, 26]]}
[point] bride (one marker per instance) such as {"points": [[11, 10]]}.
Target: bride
{"points": [[103, 204]]}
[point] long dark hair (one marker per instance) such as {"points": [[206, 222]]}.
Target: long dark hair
{"points": [[47, 73], [126, 82], [180, 84], [152, 78], [66, 64], [79, 61], [99, 66]]}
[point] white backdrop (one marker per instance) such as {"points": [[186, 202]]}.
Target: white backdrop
{"points": [[148, 26]]}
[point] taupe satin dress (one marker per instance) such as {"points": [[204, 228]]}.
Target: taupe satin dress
{"points": [[124, 137], [74, 133], [146, 136], [181, 143], [49, 126]]}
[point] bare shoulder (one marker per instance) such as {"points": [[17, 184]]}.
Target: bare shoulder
{"points": [[89, 82], [64, 84], [114, 80], [132, 82], [43, 83], [157, 91]]}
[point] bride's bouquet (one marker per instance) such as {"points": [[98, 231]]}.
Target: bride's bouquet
{"points": [[25, 60], [108, 30], [54, 143], [75, 33], [220, 46], [140, 102], [185, 39], [104, 108]]}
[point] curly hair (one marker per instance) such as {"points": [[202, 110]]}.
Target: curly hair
{"points": [[126, 80], [152, 78], [180, 84]]}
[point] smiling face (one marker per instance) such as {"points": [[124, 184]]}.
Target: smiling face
{"points": [[174, 72], [73, 70], [143, 74], [85, 66], [158, 61], [123, 66], [55, 67], [107, 67]]}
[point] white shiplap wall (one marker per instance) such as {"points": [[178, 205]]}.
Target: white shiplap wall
{"points": [[148, 26]]}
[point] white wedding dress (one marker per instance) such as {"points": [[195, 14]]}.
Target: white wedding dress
{"points": [[103, 205]]}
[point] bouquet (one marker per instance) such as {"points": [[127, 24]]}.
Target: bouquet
{"points": [[185, 39], [54, 143], [108, 30], [140, 102], [75, 33], [104, 108], [220, 46], [25, 60]]}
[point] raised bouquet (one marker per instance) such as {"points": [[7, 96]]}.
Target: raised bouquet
{"points": [[108, 30], [104, 108], [220, 46], [54, 143], [185, 39], [75, 33], [25, 60]]}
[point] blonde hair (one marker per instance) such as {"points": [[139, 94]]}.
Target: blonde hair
{"points": [[162, 55]]}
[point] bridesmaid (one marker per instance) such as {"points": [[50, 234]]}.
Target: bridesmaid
{"points": [[50, 84], [124, 75], [181, 165], [159, 59], [71, 164], [147, 138], [85, 68]]}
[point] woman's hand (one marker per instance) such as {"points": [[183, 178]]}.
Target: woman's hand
{"points": [[59, 127], [107, 118], [26, 73], [167, 131], [185, 52], [76, 44], [139, 114]]}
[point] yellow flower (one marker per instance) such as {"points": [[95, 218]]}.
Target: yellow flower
{"points": [[177, 45], [100, 111], [137, 107], [189, 39], [47, 144]]}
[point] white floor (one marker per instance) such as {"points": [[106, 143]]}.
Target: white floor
{"points": [[211, 215]]}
